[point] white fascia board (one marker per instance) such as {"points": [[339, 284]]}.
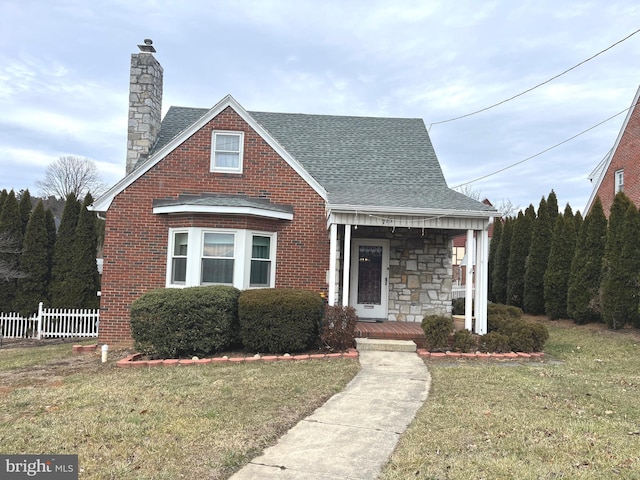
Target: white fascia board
{"points": [[612, 152], [102, 204], [431, 212], [251, 211]]}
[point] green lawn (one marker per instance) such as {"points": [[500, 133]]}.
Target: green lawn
{"points": [[577, 417], [160, 423]]}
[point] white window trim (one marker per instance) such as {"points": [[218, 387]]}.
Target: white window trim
{"points": [[619, 180], [242, 262], [249, 254], [212, 166]]}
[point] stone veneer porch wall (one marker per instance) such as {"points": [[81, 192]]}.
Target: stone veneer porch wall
{"points": [[420, 275], [420, 271]]}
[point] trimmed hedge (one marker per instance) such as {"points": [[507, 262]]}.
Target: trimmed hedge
{"points": [[172, 323], [275, 320], [437, 330], [464, 341], [338, 328], [521, 336]]}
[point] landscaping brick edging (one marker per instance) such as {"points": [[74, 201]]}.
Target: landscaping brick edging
{"points": [[77, 349], [535, 356], [132, 360]]}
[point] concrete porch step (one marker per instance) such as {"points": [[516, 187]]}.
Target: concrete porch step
{"points": [[385, 345]]}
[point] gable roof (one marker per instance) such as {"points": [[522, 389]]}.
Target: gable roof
{"points": [[601, 169], [359, 163]]}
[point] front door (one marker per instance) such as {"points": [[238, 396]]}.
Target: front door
{"points": [[370, 277]]}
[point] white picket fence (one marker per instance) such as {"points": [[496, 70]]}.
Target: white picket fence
{"points": [[51, 323]]}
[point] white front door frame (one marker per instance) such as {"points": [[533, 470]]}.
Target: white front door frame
{"points": [[377, 310]]}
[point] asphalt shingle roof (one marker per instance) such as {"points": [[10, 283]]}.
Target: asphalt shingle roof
{"points": [[360, 161], [216, 200]]}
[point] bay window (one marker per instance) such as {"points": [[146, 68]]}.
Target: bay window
{"points": [[241, 258]]}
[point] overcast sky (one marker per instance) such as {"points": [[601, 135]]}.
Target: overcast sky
{"points": [[64, 73]]}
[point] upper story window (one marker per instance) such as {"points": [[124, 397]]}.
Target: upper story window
{"points": [[619, 179], [242, 258], [227, 150]]}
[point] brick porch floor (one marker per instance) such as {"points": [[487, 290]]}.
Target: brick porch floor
{"points": [[391, 331]]}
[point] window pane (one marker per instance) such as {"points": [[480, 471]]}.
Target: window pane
{"points": [[180, 244], [260, 273], [228, 142], [218, 245], [370, 275], [261, 247], [227, 160], [179, 270], [217, 270]]}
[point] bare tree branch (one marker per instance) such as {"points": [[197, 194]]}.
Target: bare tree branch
{"points": [[470, 192], [71, 175]]}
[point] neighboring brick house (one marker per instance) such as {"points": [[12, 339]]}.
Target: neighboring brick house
{"points": [[459, 260], [620, 169], [355, 208]]}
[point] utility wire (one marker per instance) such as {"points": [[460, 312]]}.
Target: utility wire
{"points": [[536, 86], [545, 150]]}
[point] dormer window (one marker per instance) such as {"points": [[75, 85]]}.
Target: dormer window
{"points": [[226, 154], [619, 176]]}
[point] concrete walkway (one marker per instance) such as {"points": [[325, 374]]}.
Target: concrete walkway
{"points": [[354, 433]]}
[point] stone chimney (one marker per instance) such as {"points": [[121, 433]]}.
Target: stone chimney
{"points": [[145, 104]]}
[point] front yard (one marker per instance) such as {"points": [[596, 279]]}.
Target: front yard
{"points": [[577, 417], [161, 423]]}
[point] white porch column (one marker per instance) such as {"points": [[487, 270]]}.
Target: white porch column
{"points": [[346, 268], [468, 291], [482, 280], [333, 264]]}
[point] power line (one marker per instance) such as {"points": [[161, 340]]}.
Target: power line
{"points": [[545, 150], [536, 86]]}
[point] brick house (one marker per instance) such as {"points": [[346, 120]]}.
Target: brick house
{"points": [[620, 169], [355, 208], [459, 260]]}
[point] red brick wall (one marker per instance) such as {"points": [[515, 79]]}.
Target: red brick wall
{"points": [[626, 157], [135, 250]]}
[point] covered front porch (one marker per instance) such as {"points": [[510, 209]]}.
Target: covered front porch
{"points": [[396, 269]]}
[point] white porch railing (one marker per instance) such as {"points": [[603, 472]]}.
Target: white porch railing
{"points": [[459, 291], [51, 322]]}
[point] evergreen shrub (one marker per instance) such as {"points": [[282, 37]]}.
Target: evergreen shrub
{"points": [[464, 341], [522, 336], [338, 328], [173, 323], [279, 320], [437, 330], [495, 342]]}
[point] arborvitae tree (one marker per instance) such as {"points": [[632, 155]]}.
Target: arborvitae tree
{"points": [[556, 278], [520, 242], [502, 262], [3, 196], [613, 245], [11, 233], [583, 302], [577, 223], [619, 286], [538, 259], [552, 208], [63, 255], [50, 223], [493, 254], [32, 288], [85, 280], [25, 209]]}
